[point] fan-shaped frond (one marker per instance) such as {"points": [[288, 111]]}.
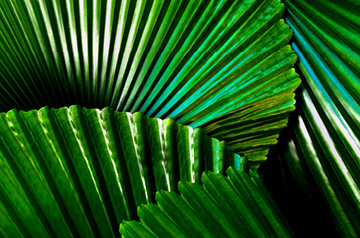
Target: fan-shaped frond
{"points": [[236, 206], [80, 172], [220, 65]]}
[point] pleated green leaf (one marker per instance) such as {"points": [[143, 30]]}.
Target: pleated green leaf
{"points": [[221, 65], [320, 155], [77, 172], [233, 206]]}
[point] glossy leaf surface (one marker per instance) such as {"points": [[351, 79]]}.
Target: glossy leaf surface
{"points": [[76, 172], [320, 155], [233, 206], [220, 65]]}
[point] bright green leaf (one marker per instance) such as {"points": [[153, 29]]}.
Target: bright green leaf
{"points": [[218, 209], [80, 172]]}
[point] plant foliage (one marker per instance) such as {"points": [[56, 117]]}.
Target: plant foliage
{"points": [[236, 206], [321, 159], [79, 172], [220, 65]]}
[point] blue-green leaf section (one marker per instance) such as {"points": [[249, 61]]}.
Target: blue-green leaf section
{"points": [[321, 152]]}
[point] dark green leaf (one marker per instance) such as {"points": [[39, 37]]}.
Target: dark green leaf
{"points": [[321, 153]]}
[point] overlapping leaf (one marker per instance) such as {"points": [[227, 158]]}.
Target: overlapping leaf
{"points": [[322, 155], [77, 172], [221, 65], [236, 206]]}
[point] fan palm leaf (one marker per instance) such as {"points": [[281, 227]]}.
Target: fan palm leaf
{"points": [[224, 66]]}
